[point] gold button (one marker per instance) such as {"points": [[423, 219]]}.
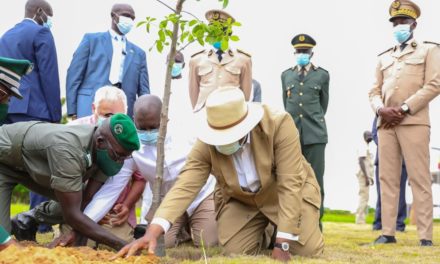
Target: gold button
{"points": [[301, 83], [301, 115], [300, 104], [300, 94]]}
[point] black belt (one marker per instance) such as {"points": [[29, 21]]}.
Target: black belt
{"points": [[118, 84]]}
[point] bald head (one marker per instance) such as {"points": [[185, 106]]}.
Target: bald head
{"points": [[368, 137], [38, 10], [147, 109], [119, 10]]}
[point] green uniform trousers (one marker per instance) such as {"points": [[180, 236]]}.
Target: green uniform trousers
{"points": [[315, 155]]}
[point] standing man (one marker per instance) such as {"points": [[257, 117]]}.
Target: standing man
{"points": [[256, 91], [211, 69], [407, 79], [365, 177], [255, 154], [107, 58], [305, 97]]}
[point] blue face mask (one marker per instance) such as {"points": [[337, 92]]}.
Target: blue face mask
{"points": [[228, 149], [100, 120], [48, 23], [125, 24], [302, 59], [177, 69], [402, 32], [148, 137], [217, 45]]}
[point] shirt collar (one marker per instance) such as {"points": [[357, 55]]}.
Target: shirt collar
{"points": [[307, 67], [115, 35], [27, 18]]}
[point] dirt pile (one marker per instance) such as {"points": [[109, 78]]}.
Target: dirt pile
{"points": [[59, 255]]}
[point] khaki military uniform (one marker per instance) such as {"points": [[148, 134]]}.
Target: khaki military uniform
{"points": [[364, 187], [44, 157], [207, 73], [408, 76]]}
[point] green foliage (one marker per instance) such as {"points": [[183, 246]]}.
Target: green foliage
{"points": [[20, 194], [191, 30]]}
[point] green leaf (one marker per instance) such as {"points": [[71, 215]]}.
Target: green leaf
{"points": [[184, 36], [161, 35], [225, 45], [236, 24], [141, 23], [163, 24], [159, 46], [191, 38], [148, 28], [225, 3], [169, 33], [192, 22], [234, 38]]}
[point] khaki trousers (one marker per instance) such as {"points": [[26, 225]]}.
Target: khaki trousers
{"points": [[201, 225], [251, 238], [410, 142]]}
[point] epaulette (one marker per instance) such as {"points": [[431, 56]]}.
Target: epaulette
{"points": [[245, 53], [322, 69], [288, 70], [197, 53], [430, 42], [385, 51]]}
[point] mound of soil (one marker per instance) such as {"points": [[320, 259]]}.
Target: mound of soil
{"points": [[60, 255]]}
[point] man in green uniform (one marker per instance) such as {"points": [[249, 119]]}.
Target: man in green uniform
{"points": [[305, 97], [11, 71], [55, 160]]}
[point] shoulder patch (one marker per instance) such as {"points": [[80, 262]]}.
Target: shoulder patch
{"points": [[385, 52], [430, 42], [245, 53], [320, 68], [197, 53]]}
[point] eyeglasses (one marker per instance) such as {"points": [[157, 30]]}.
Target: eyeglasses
{"points": [[115, 156]]}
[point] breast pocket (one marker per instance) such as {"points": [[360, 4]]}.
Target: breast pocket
{"points": [[204, 70], [414, 66]]}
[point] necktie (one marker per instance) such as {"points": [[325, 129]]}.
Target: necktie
{"points": [[402, 46], [302, 73], [219, 55]]}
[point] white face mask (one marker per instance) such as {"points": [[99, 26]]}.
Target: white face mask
{"points": [[228, 149], [402, 32], [125, 24]]}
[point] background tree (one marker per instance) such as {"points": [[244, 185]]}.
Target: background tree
{"points": [[175, 31]]}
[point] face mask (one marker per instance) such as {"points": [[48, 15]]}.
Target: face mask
{"points": [[177, 69], [402, 32], [228, 149], [108, 166], [49, 23], [100, 120], [148, 137], [302, 59], [125, 24], [217, 45]]}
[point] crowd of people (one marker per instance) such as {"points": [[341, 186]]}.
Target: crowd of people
{"points": [[252, 179]]}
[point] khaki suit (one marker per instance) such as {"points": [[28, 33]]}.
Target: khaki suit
{"points": [[206, 74], [410, 76], [289, 195]]}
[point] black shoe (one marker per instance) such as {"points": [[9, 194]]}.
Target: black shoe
{"points": [[24, 226], [377, 228], [384, 240], [139, 231], [425, 243]]}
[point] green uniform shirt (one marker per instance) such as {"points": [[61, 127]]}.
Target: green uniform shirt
{"points": [[55, 156], [3, 112], [306, 100], [4, 236]]}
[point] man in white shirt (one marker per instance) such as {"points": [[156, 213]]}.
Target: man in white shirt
{"points": [[254, 152], [199, 215]]}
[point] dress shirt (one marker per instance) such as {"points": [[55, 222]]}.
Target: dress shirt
{"points": [[144, 161], [118, 43]]}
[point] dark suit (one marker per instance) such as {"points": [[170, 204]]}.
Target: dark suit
{"points": [[90, 70], [306, 99], [41, 88]]}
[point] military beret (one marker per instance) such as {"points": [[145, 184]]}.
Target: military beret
{"points": [[404, 8], [218, 15], [303, 41], [124, 131], [11, 71]]}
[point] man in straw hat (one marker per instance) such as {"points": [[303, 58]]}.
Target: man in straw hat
{"points": [[407, 79], [212, 68], [262, 178]]}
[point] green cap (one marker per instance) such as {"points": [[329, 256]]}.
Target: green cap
{"points": [[124, 130], [303, 41], [11, 71]]}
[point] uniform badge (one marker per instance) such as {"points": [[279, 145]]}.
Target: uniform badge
{"points": [[414, 44], [302, 38], [216, 15], [289, 93], [118, 129], [396, 4]]}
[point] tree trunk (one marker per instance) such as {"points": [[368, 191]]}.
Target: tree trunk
{"points": [[160, 249]]}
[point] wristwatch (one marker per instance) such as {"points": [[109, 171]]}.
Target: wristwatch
{"points": [[405, 108], [283, 246]]}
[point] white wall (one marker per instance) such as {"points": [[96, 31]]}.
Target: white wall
{"points": [[349, 33]]}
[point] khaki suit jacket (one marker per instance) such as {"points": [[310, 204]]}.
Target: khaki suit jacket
{"points": [[410, 76], [287, 180], [206, 74]]}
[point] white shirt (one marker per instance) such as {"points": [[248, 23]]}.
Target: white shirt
{"points": [[144, 161], [119, 46]]}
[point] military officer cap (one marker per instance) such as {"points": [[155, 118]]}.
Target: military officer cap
{"points": [[303, 41], [218, 15], [404, 8], [11, 71], [124, 131]]}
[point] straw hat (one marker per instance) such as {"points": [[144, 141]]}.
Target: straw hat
{"points": [[227, 117]]}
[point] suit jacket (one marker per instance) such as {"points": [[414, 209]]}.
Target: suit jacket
{"points": [[206, 74], [411, 76], [41, 88], [256, 91], [307, 100], [90, 70], [287, 180]]}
